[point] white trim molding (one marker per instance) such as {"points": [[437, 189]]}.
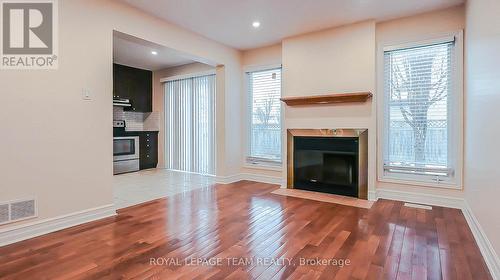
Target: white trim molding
{"points": [[250, 177], [420, 198], [29, 230], [372, 195], [490, 256], [434, 40], [228, 179], [262, 178], [258, 166]]}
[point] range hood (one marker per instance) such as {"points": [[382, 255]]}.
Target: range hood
{"points": [[122, 102]]}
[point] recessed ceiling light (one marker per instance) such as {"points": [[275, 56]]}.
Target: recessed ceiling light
{"points": [[256, 24], [154, 52]]}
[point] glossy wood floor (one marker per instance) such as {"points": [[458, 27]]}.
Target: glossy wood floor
{"points": [[242, 231]]}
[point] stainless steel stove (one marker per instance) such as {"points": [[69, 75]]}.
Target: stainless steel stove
{"points": [[125, 151]]}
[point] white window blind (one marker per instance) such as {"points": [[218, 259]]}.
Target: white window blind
{"points": [[265, 116], [418, 108], [190, 124]]}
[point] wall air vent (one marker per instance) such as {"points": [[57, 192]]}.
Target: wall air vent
{"points": [[17, 210]]}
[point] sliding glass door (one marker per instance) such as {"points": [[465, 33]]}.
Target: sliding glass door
{"points": [[190, 124]]}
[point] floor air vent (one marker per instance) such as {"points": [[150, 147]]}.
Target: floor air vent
{"points": [[18, 210], [420, 206]]}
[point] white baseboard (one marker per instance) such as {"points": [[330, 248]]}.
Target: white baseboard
{"points": [[29, 230], [250, 177], [489, 254], [372, 195], [262, 178], [421, 198], [228, 179]]}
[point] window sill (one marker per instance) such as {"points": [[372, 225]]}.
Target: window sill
{"points": [[264, 166], [421, 183]]}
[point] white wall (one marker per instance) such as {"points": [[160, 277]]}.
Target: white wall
{"points": [[265, 56], [58, 147], [482, 184], [336, 60]]}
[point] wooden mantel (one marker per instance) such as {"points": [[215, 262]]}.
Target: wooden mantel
{"points": [[327, 98]]}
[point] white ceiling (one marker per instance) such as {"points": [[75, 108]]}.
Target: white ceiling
{"points": [[135, 52], [230, 21]]}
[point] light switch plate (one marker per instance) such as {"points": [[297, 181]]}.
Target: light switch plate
{"points": [[86, 94]]}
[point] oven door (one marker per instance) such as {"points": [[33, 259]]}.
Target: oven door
{"points": [[125, 148]]}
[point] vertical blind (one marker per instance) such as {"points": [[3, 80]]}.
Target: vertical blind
{"points": [[418, 91], [190, 124], [265, 115]]}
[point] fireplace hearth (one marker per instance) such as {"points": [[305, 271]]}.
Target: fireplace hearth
{"points": [[328, 160]]}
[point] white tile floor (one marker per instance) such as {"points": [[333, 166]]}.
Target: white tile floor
{"points": [[134, 188]]}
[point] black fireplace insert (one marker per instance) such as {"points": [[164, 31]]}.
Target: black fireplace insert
{"points": [[326, 164]]}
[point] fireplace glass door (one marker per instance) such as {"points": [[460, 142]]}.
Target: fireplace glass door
{"points": [[326, 164]]}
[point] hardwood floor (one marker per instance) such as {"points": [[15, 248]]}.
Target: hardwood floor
{"points": [[242, 231]]}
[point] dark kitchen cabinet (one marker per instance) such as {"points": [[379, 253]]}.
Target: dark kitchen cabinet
{"points": [[134, 84], [148, 149]]}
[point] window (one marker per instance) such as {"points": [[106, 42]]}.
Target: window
{"points": [[190, 124], [264, 88], [422, 117]]}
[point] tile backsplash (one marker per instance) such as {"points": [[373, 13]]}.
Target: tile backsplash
{"points": [[136, 121]]}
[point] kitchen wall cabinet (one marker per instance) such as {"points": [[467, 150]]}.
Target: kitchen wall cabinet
{"points": [[134, 84]]}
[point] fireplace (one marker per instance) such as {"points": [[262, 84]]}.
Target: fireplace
{"points": [[328, 160]]}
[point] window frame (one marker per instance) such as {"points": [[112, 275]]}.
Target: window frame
{"points": [[249, 161], [455, 145]]}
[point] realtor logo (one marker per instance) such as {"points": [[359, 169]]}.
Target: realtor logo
{"points": [[29, 34]]}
